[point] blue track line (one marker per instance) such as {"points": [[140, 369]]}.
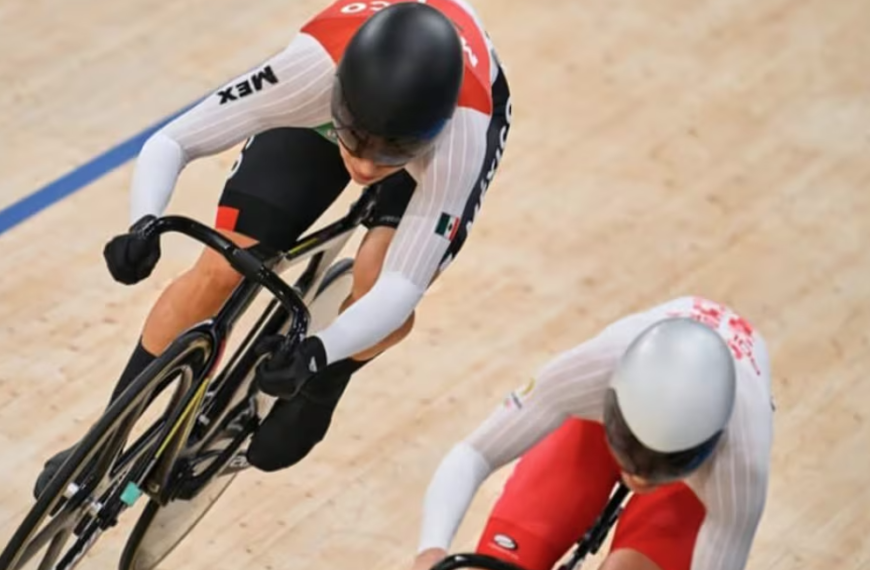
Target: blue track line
{"points": [[77, 179]]}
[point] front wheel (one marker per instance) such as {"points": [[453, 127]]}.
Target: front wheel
{"points": [[85, 495], [334, 289], [160, 529]]}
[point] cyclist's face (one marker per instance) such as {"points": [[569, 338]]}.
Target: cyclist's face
{"points": [[364, 171]]}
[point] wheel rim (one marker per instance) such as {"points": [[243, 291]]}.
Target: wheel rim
{"points": [[55, 518]]}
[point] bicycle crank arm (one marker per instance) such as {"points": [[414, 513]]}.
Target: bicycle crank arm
{"points": [[191, 485]]}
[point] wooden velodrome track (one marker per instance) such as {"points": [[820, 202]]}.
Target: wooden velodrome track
{"points": [[659, 147]]}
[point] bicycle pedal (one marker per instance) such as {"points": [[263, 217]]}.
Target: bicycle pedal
{"points": [[237, 424], [238, 462], [203, 457], [227, 435]]}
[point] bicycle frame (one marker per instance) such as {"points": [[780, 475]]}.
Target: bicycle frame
{"points": [[594, 537], [287, 313]]}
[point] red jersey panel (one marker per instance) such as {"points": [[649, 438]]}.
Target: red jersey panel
{"points": [[334, 27]]}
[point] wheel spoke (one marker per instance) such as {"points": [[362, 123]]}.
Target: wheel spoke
{"points": [[86, 539], [61, 524], [54, 548]]}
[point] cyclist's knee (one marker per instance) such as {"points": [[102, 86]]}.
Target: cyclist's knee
{"points": [[214, 272]]}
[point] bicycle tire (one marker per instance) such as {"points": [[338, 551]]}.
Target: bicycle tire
{"points": [[131, 557], [134, 557], [103, 437]]}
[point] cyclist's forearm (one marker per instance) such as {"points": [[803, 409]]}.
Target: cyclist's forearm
{"points": [[449, 495], [372, 318], [157, 168]]}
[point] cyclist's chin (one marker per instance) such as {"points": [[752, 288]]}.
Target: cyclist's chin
{"points": [[638, 484], [363, 171], [363, 180], [368, 176]]}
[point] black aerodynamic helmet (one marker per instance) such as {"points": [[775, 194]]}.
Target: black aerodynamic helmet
{"points": [[397, 83]]}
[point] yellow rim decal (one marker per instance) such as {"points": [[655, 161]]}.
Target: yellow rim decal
{"points": [[302, 246], [194, 402]]}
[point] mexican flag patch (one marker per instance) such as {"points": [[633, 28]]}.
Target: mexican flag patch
{"points": [[447, 226], [327, 131]]}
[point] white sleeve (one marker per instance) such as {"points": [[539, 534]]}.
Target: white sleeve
{"points": [[445, 178], [573, 383], [290, 89], [735, 491], [456, 481]]}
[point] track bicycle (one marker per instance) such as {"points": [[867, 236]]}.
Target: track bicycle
{"points": [[195, 447]]}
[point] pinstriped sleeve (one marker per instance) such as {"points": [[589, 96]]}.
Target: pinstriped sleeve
{"points": [[445, 179], [734, 491], [291, 89], [572, 384]]}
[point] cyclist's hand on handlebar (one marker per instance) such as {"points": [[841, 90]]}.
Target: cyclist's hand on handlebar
{"points": [[286, 370], [131, 257]]}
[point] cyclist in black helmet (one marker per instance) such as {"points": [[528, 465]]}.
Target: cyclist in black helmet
{"points": [[404, 96], [392, 94]]}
